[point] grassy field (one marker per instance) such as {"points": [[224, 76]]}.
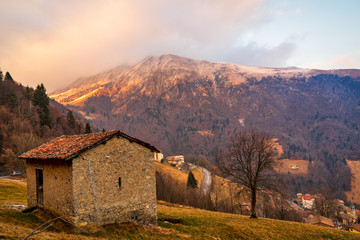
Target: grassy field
{"points": [[12, 192], [175, 222]]}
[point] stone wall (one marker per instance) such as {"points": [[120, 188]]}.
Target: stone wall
{"points": [[98, 198], [57, 185]]}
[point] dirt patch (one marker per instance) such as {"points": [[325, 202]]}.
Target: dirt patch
{"points": [[171, 220], [354, 195]]}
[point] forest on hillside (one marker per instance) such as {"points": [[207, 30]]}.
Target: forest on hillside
{"points": [[29, 118]]}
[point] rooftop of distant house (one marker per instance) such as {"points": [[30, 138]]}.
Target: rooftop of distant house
{"points": [[356, 227], [68, 147], [306, 197], [320, 219]]}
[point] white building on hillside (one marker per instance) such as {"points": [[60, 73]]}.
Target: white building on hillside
{"points": [[308, 201]]}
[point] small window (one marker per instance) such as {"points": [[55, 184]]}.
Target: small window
{"points": [[119, 182]]}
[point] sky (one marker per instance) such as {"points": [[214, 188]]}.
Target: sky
{"points": [[57, 41]]}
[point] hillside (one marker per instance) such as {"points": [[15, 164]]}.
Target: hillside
{"points": [[25, 125], [223, 196], [175, 222]]}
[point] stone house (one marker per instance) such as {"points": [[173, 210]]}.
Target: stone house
{"points": [[96, 178]]}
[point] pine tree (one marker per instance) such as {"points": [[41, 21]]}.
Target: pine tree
{"points": [[8, 77], [87, 128], [191, 181], [41, 100], [71, 120], [1, 75]]}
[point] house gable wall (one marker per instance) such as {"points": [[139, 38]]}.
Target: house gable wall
{"points": [[57, 185], [97, 195]]}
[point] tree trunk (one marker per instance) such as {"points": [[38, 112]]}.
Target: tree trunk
{"points": [[253, 203]]}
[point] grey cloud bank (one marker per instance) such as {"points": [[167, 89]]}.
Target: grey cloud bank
{"points": [[55, 42]]}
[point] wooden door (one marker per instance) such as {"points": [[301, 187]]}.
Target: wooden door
{"points": [[39, 187]]}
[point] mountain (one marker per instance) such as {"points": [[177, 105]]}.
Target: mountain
{"points": [[190, 106], [186, 106]]}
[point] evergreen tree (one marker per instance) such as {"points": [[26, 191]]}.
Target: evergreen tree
{"points": [[8, 77], [27, 93], [71, 120], [88, 128], [41, 100], [191, 181], [13, 101], [1, 75]]}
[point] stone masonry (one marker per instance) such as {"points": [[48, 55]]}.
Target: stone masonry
{"points": [[107, 181], [58, 194], [98, 198]]}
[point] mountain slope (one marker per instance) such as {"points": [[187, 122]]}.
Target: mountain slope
{"points": [[188, 106]]}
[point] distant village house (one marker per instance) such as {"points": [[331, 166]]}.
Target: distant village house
{"points": [[96, 178], [308, 201], [176, 161]]}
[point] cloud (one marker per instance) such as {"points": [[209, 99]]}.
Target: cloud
{"points": [[57, 41], [346, 61], [252, 54]]}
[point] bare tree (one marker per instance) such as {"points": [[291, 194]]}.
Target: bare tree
{"points": [[249, 159]]}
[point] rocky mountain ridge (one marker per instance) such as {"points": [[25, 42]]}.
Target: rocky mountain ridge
{"points": [[191, 106]]}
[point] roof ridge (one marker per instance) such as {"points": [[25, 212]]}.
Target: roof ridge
{"points": [[87, 134], [67, 147]]}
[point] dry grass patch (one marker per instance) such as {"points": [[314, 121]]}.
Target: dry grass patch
{"points": [[293, 166], [354, 194], [201, 224], [177, 175], [199, 175], [12, 191]]}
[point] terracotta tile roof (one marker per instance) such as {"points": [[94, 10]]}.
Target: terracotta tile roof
{"points": [[307, 197], [356, 226], [320, 220], [68, 147], [345, 216]]}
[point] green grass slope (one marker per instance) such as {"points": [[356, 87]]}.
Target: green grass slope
{"points": [[175, 222]]}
